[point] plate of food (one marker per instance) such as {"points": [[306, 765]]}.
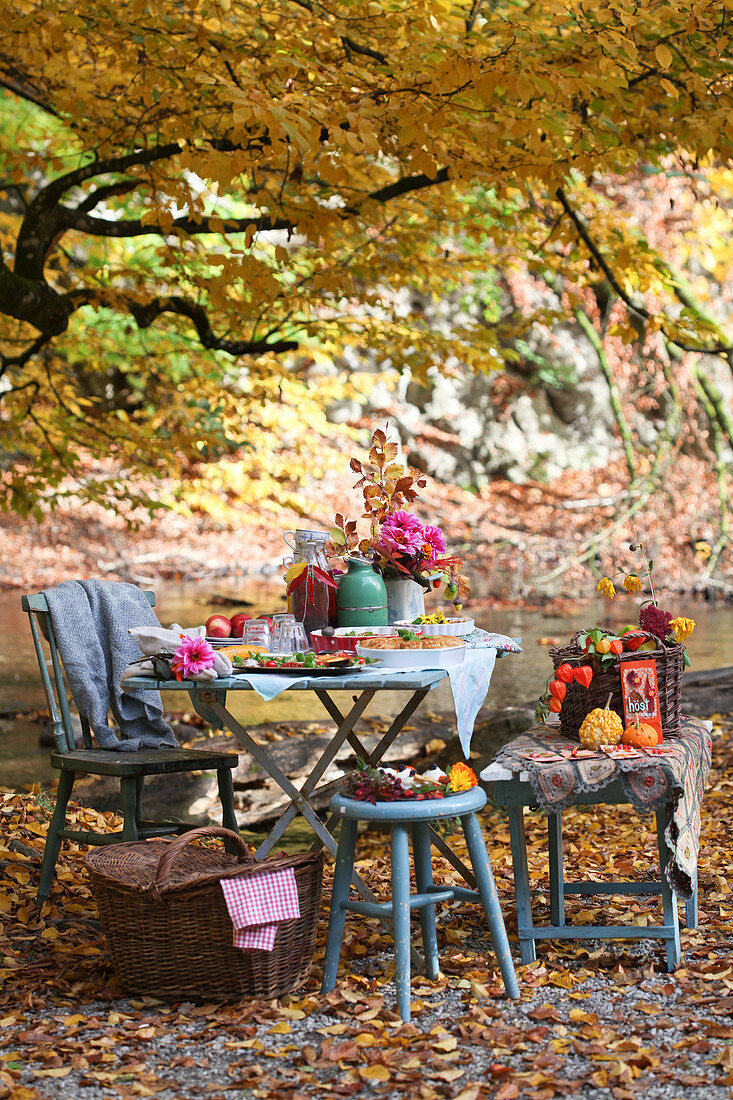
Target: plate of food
{"points": [[300, 664], [409, 650], [439, 624], [346, 638]]}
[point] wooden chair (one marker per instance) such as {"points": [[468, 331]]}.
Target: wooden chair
{"points": [[131, 768]]}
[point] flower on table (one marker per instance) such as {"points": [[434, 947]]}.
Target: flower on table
{"points": [[193, 655], [461, 777], [632, 583], [434, 543], [682, 628], [606, 587], [655, 621], [402, 533]]}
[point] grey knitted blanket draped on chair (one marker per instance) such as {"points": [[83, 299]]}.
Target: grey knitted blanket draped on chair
{"points": [[91, 620]]}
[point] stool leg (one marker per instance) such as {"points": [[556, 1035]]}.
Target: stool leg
{"points": [[557, 877], [669, 903], [424, 879], [490, 901], [340, 894], [401, 916], [521, 884]]}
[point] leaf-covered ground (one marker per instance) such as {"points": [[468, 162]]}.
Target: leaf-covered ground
{"points": [[597, 1018]]}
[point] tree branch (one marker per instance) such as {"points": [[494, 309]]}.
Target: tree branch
{"points": [[44, 220], [147, 312], [101, 227], [33, 301], [636, 308]]}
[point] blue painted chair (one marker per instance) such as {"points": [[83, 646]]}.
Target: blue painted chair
{"points": [[130, 768], [405, 817]]}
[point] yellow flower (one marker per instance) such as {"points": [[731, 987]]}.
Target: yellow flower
{"points": [[632, 583], [461, 778], [682, 628], [606, 588]]}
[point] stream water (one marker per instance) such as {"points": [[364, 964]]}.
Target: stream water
{"points": [[516, 679]]}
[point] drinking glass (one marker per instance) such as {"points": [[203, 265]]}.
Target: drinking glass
{"points": [[292, 638], [278, 621], [257, 632]]}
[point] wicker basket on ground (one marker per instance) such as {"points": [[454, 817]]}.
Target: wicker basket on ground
{"points": [[169, 931], [579, 701]]}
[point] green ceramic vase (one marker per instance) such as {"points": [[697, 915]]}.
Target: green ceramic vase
{"points": [[361, 599]]}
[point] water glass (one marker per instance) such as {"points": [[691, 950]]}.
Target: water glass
{"points": [[257, 632], [278, 621], [292, 638]]}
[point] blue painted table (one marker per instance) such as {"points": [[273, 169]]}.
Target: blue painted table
{"points": [[209, 700]]}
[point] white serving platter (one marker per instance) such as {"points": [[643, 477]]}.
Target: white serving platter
{"points": [[416, 658]]}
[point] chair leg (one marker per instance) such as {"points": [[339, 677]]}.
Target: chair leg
{"points": [[521, 883], [128, 793], [669, 902], [424, 879], [139, 787], [490, 900], [401, 916], [226, 797], [53, 840], [339, 897], [557, 877]]}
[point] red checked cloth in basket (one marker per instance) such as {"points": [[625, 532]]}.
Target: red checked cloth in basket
{"points": [[257, 903]]}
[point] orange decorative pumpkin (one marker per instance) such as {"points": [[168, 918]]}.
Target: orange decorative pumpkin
{"points": [[641, 735]]}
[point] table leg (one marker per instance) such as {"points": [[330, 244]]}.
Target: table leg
{"points": [[691, 910], [327, 756], [557, 877], [521, 883], [381, 748], [669, 902], [270, 767]]}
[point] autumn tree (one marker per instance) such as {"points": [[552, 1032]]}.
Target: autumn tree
{"points": [[195, 191]]}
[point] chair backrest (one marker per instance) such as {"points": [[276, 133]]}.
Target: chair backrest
{"points": [[54, 684]]}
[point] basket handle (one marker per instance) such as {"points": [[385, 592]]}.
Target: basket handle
{"points": [[176, 846]]}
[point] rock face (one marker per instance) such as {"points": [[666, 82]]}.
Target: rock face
{"points": [[547, 412]]}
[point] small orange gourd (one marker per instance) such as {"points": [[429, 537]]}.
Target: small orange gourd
{"points": [[641, 735]]}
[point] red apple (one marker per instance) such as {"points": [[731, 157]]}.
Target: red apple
{"points": [[238, 622], [218, 626]]}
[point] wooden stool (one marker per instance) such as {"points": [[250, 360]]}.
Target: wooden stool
{"points": [[403, 817]]}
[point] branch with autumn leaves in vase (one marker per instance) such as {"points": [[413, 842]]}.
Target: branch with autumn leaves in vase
{"points": [[398, 543]]}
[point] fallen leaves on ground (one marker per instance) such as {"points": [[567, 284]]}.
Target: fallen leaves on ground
{"points": [[601, 1017]]}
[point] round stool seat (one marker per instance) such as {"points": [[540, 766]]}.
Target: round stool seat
{"points": [[410, 809]]}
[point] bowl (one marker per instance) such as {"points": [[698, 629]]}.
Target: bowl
{"points": [[453, 627], [345, 638], [416, 658]]}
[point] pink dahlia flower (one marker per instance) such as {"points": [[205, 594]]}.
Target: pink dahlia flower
{"points": [[192, 656], [655, 621], [434, 543], [402, 533]]}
